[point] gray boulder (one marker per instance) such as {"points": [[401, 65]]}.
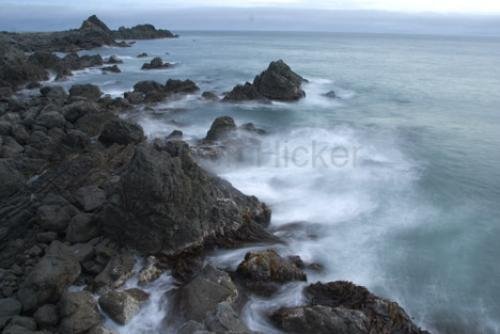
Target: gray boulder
{"points": [[180, 86], [220, 128], [121, 132], [47, 316], [117, 271], [79, 312], [88, 91], [156, 63], [90, 197], [51, 119], [9, 307], [81, 228], [279, 82], [49, 278], [55, 217], [122, 306]]}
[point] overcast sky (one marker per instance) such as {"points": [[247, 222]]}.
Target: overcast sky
{"points": [[468, 17]]}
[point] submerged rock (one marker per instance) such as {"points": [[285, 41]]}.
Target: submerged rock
{"points": [[155, 63], [111, 69], [331, 94]]}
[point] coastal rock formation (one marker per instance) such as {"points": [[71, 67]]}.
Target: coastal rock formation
{"points": [[155, 64], [342, 307], [278, 82], [151, 91], [142, 31]]}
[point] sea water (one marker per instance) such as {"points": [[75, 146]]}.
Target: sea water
{"points": [[409, 206]]}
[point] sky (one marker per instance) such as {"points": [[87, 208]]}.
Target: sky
{"points": [[458, 17]]}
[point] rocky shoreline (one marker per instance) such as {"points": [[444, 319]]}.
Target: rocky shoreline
{"points": [[88, 201]]}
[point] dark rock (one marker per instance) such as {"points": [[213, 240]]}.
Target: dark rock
{"points": [[165, 202], [134, 97], [11, 180], [322, 320], [111, 69], [88, 91], [9, 307], [99, 330], [192, 327], [114, 60], [90, 197], [250, 127], [54, 93], [81, 228], [55, 217], [121, 306], [214, 285], [79, 312], [220, 128], [48, 279], [331, 94], [150, 272], [83, 252], [180, 86], [142, 31], [142, 55], [51, 119], [33, 85], [121, 132], [117, 271], [47, 60], [74, 111], [225, 320], [46, 237], [47, 316], [175, 135], [148, 86], [246, 92], [76, 139], [94, 24], [155, 63], [93, 123], [210, 96], [20, 325]]}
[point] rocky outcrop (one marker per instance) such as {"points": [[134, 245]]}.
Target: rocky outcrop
{"points": [[220, 128], [151, 91], [122, 306], [278, 82], [342, 307], [263, 272], [121, 132], [142, 31], [87, 91], [155, 64]]}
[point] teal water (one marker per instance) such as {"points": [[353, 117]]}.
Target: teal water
{"points": [[416, 216]]}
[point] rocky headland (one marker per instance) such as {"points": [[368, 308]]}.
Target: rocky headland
{"points": [[87, 200]]}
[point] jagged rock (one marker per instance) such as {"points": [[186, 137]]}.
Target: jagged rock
{"points": [[180, 86], [121, 306], [76, 139], [88, 91], [81, 228], [111, 69], [142, 31], [20, 325], [117, 271], [74, 111], [79, 312], [48, 279], [278, 82], [55, 217], [204, 293], [165, 202], [220, 128], [121, 132], [142, 55], [150, 272], [46, 60], [192, 327], [83, 252], [54, 93], [175, 135], [225, 320], [148, 86], [93, 23], [263, 271], [114, 60], [47, 316], [155, 63]]}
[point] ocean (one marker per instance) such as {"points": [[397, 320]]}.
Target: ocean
{"points": [[394, 184]]}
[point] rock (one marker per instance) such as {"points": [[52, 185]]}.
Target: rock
{"points": [[142, 31], [55, 217], [180, 86], [50, 276], [150, 272], [134, 97], [79, 312], [83, 251], [51, 119], [331, 94], [46, 237], [148, 86], [93, 123], [33, 85], [99, 330], [220, 128], [46, 316], [175, 135], [111, 69], [203, 294], [156, 63], [225, 320], [121, 132], [20, 325], [47, 60], [54, 93], [278, 82], [192, 327], [88, 91], [114, 60], [165, 203], [81, 228], [121, 306], [322, 320], [142, 55], [260, 269], [90, 197], [210, 96], [11, 180], [118, 270], [9, 307], [74, 111], [246, 92], [94, 24], [76, 139]]}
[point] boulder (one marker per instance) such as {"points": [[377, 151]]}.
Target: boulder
{"points": [[263, 271], [9, 307], [74, 111], [180, 86], [114, 60], [122, 306], [220, 128], [155, 63], [11, 179], [76, 140], [50, 277], [121, 132], [79, 312], [279, 82], [51, 119], [118, 270], [88, 91], [148, 86], [47, 316], [90, 197], [210, 96], [331, 94], [55, 217], [54, 93], [246, 92], [81, 228], [150, 272], [142, 55], [175, 135], [203, 294], [111, 69], [225, 320]]}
